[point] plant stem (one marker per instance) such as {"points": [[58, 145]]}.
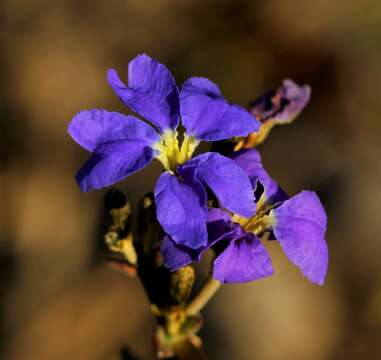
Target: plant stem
{"points": [[202, 298]]}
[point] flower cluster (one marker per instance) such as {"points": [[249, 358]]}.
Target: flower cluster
{"points": [[249, 207]]}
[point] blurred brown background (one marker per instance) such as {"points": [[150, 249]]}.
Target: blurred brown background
{"points": [[58, 301]]}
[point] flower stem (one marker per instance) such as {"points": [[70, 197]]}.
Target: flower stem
{"points": [[202, 298]]}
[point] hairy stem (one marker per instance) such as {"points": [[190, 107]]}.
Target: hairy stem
{"points": [[202, 298]]}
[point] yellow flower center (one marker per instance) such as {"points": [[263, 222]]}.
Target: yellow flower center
{"points": [[263, 219], [171, 153]]}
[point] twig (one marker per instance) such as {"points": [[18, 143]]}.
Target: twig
{"points": [[202, 298]]}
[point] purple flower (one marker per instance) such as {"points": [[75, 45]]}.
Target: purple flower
{"points": [[121, 145], [299, 225], [280, 106], [283, 104]]}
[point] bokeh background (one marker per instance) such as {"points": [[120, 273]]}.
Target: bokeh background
{"points": [[57, 298]]}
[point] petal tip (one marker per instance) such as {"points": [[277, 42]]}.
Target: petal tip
{"points": [[82, 183], [114, 80]]}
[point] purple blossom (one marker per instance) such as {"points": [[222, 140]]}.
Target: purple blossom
{"points": [[122, 145], [275, 107], [283, 104], [299, 225]]}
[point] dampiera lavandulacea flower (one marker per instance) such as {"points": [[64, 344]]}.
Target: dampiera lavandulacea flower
{"points": [[122, 145], [276, 107], [298, 223]]}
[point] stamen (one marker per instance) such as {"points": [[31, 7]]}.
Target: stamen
{"points": [[170, 154], [263, 220], [168, 148], [187, 148]]}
